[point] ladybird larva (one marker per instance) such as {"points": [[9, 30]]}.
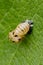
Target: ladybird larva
{"points": [[20, 31]]}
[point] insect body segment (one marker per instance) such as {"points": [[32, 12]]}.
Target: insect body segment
{"points": [[21, 30]]}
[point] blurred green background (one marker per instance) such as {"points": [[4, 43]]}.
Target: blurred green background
{"points": [[30, 50]]}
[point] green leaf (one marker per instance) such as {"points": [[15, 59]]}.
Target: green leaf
{"points": [[30, 50]]}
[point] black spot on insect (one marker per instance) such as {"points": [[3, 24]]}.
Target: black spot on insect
{"points": [[13, 41], [13, 33], [16, 36], [22, 29], [19, 39]]}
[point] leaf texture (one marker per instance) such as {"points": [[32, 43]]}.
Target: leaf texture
{"points": [[30, 50]]}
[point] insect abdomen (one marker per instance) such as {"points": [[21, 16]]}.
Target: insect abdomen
{"points": [[22, 28]]}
